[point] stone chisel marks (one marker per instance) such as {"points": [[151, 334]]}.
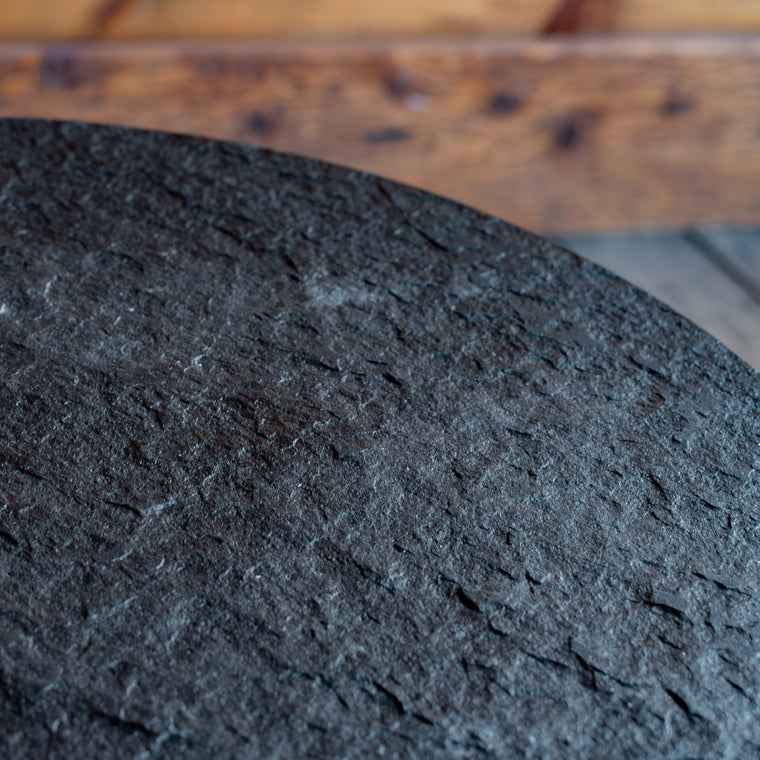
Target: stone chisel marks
{"points": [[299, 462], [693, 274]]}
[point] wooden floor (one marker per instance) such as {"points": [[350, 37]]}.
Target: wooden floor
{"points": [[710, 275]]}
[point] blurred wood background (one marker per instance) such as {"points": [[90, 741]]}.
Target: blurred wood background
{"points": [[53, 20], [559, 115]]}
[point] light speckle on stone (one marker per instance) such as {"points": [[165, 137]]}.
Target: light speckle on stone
{"points": [[298, 462]]}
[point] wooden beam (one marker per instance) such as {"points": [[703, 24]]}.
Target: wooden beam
{"points": [[584, 16], [199, 19], [554, 135]]}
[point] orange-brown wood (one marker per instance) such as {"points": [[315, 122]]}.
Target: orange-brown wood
{"points": [[584, 16], [200, 19], [558, 134]]}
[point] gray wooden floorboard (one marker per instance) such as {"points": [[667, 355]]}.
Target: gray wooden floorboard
{"points": [[673, 269], [740, 248]]}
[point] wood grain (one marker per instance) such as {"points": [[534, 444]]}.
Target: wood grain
{"points": [[581, 16], [560, 134], [741, 247], [173, 19]]}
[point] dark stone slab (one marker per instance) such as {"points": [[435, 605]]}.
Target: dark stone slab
{"points": [[296, 462]]}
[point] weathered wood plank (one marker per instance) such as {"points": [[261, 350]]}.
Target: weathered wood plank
{"points": [[741, 248], [673, 270], [555, 135], [172, 19], [581, 16], [43, 19]]}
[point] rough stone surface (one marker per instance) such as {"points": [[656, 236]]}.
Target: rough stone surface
{"points": [[296, 462]]}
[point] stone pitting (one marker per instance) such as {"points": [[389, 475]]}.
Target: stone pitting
{"points": [[298, 462]]}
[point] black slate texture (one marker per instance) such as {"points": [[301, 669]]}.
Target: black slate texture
{"points": [[297, 462]]}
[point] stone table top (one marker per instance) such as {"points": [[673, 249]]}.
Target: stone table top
{"points": [[298, 462]]}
